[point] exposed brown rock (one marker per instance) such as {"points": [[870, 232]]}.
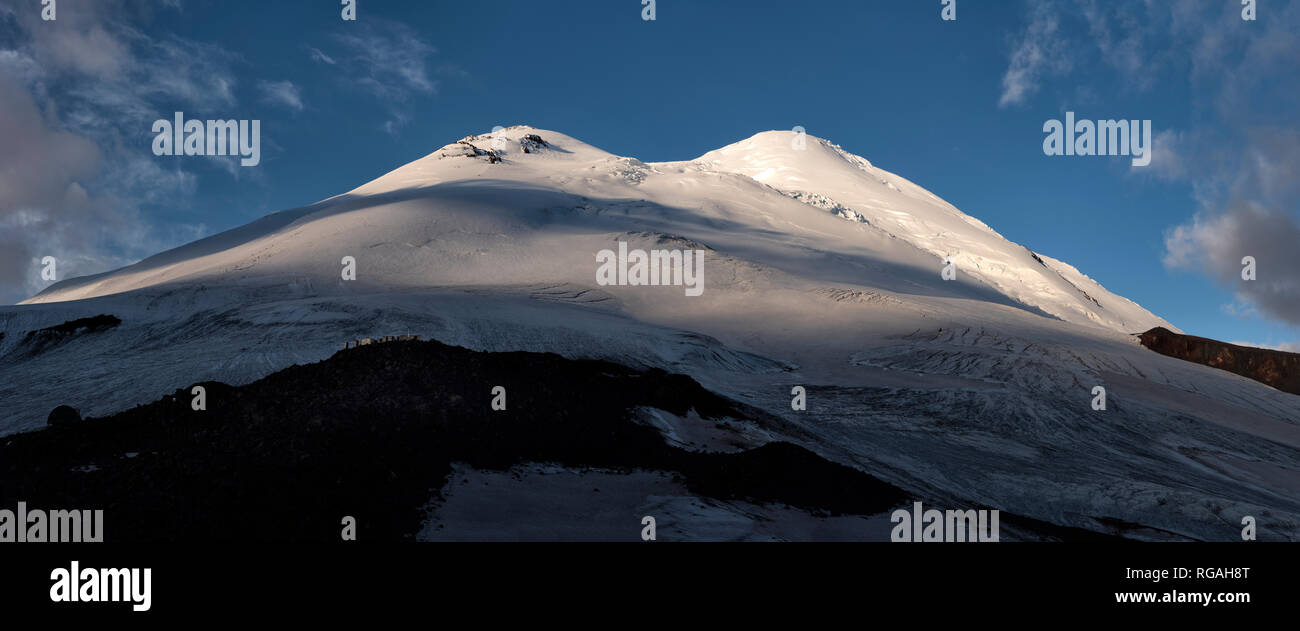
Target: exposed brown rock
{"points": [[1275, 368]]}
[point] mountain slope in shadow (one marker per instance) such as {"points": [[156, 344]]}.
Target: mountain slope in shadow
{"points": [[372, 433]]}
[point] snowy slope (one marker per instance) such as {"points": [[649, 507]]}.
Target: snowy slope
{"points": [[541, 178], [821, 270], [824, 174]]}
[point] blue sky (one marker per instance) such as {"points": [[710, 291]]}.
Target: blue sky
{"points": [[957, 107]]}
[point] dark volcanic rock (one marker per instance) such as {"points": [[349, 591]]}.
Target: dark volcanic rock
{"points": [[1275, 368], [101, 322], [532, 143], [63, 415], [372, 433], [43, 339], [466, 149]]}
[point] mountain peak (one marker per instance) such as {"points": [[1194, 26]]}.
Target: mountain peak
{"points": [[794, 144], [507, 148], [787, 159]]}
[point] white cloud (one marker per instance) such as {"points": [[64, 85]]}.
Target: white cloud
{"points": [[1142, 42], [390, 61], [1119, 36], [1041, 52], [318, 56], [1169, 157], [1238, 309], [281, 92], [388, 58], [1217, 243], [193, 72], [43, 203]]}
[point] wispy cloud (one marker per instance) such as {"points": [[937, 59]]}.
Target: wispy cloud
{"points": [[320, 57], [281, 93], [1120, 35], [1040, 52], [389, 59]]}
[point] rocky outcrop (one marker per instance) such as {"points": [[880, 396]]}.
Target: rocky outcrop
{"points": [[1275, 368], [101, 322], [41, 340], [64, 415], [466, 149], [532, 143]]}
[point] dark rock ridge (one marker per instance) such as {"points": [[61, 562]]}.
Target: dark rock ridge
{"points": [[101, 322], [1279, 369], [372, 433], [40, 340]]}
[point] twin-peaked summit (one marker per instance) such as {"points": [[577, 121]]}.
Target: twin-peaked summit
{"points": [[528, 206]]}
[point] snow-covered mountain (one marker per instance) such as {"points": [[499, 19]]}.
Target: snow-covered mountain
{"points": [[821, 271], [526, 185]]}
